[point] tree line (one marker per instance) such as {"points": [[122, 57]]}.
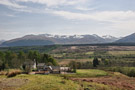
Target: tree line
{"points": [[10, 59], [101, 63]]}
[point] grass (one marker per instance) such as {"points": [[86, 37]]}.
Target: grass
{"points": [[121, 52], [47, 82], [84, 73], [55, 82], [89, 53], [91, 72]]}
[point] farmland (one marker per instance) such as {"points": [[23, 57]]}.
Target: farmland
{"points": [[115, 69]]}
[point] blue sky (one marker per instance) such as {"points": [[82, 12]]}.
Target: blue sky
{"points": [[66, 17]]}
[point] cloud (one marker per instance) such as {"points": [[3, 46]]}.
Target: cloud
{"points": [[12, 4], [118, 21], [17, 5], [110, 16], [50, 3], [75, 10], [84, 8]]}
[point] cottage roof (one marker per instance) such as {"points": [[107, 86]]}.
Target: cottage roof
{"points": [[55, 67], [64, 68]]}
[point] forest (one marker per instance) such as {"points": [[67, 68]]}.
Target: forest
{"points": [[112, 58], [12, 60]]}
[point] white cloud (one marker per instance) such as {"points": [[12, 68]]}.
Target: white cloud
{"points": [[110, 16], [55, 2], [84, 8], [71, 15], [120, 22], [117, 20], [10, 3], [48, 4]]}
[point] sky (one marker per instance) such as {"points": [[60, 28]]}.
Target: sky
{"points": [[66, 17]]}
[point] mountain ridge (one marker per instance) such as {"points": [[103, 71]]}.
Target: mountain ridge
{"points": [[49, 39], [127, 39]]}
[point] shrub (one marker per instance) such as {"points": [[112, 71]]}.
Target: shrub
{"points": [[13, 73], [131, 73]]}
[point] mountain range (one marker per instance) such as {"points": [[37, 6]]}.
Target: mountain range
{"points": [[48, 39]]}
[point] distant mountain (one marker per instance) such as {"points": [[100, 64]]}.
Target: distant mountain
{"points": [[28, 40], [48, 39], [109, 38], [127, 39]]}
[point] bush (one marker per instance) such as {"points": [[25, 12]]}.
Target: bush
{"points": [[13, 73], [131, 73]]}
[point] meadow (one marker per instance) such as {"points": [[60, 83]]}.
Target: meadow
{"points": [[55, 82]]}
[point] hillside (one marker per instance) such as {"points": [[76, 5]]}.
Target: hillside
{"points": [[127, 39], [91, 79], [48, 39]]}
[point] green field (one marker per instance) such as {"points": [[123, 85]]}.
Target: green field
{"points": [[85, 73], [48, 82], [89, 53], [118, 65], [91, 73], [121, 52]]}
